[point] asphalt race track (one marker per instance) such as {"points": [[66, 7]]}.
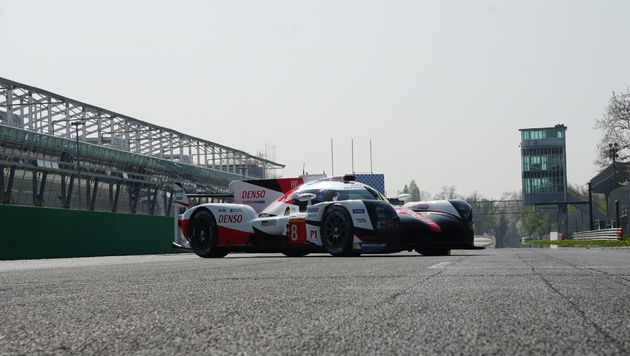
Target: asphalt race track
{"points": [[507, 301]]}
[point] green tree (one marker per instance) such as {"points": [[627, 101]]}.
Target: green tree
{"points": [[448, 192], [534, 222], [416, 193], [414, 190]]}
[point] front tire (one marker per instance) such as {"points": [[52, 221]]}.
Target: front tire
{"points": [[202, 228], [337, 233]]}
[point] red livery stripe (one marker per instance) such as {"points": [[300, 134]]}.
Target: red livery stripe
{"points": [[432, 224], [230, 237], [183, 225]]}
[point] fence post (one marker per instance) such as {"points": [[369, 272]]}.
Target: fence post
{"points": [[617, 213]]}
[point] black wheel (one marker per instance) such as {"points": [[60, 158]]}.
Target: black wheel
{"points": [[337, 233], [434, 252], [202, 230], [295, 253]]}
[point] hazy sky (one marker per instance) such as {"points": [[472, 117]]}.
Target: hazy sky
{"points": [[441, 87]]}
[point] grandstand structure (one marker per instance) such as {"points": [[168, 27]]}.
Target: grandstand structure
{"points": [[59, 152]]}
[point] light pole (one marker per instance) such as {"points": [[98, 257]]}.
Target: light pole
{"points": [[612, 153], [76, 125], [590, 207]]}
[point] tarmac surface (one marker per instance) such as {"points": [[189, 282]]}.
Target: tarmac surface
{"points": [[507, 301]]}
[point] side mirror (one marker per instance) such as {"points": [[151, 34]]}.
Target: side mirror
{"points": [[306, 197], [404, 198]]}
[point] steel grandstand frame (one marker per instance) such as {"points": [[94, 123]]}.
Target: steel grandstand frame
{"points": [[39, 145]]}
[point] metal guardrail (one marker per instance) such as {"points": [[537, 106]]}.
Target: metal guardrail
{"points": [[603, 234]]}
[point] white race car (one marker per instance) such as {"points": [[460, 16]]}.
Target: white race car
{"points": [[338, 215]]}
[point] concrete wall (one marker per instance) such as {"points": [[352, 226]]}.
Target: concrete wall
{"points": [[34, 232]]}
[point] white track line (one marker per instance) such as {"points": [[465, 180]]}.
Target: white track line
{"points": [[441, 265]]}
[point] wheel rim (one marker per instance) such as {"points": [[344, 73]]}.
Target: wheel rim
{"points": [[335, 229], [203, 232]]}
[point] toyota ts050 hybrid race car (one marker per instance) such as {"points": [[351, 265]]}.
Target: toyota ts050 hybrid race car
{"points": [[337, 215]]}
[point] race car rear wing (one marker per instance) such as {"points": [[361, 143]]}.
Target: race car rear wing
{"points": [[259, 193]]}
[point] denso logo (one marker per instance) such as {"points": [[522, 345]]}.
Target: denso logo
{"points": [[253, 194], [230, 219]]}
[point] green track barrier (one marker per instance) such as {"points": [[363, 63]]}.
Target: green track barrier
{"points": [[33, 232]]}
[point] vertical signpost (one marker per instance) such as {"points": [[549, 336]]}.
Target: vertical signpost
{"points": [[76, 125]]}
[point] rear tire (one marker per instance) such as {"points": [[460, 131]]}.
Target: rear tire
{"points": [[337, 233], [203, 234], [434, 252]]}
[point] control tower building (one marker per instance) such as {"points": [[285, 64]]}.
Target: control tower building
{"points": [[543, 165]]}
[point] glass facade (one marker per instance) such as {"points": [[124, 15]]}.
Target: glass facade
{"points": [[543, 170], [539, 134]]}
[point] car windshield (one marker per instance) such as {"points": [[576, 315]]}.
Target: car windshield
{"points": [[354, 194]]}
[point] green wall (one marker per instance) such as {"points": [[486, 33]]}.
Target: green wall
{"points": [[34, 232]]}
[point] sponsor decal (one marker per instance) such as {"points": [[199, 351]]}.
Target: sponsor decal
{"points": [[235, 210], [421, 206], [358, 211], [373, 245], [312, 210], [289, 184], [361, 220], [230, 219], [253, 194], [222, 210], [269, 223], [251, 202], [352, 187]]}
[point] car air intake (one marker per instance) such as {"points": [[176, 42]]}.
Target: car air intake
{"points": [[382, 215]]}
